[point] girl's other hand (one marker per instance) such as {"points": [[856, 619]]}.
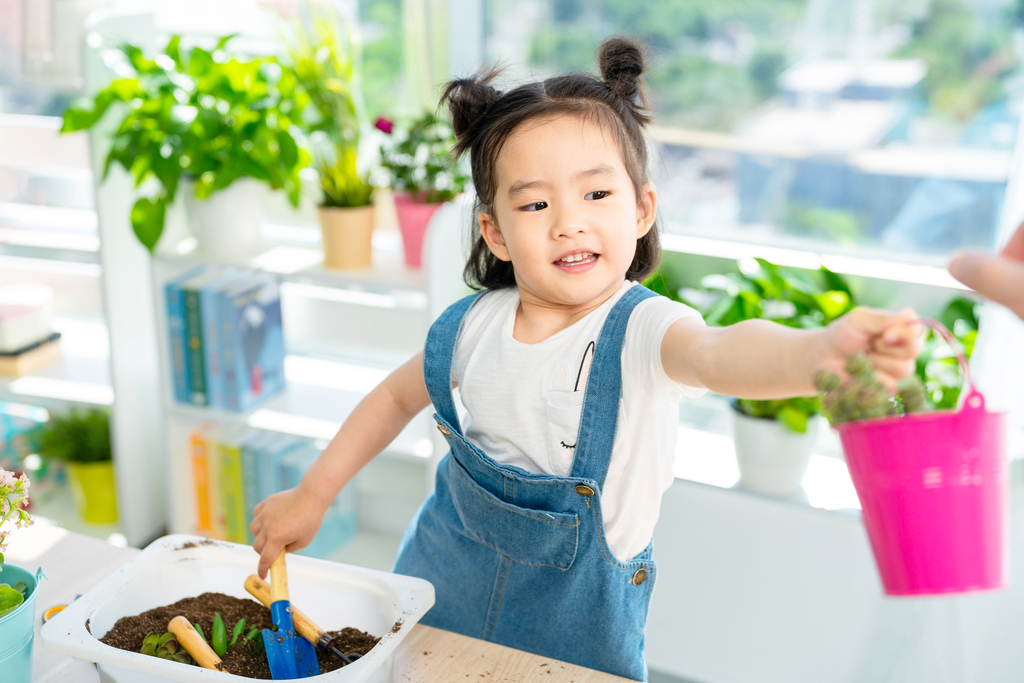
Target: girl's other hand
{"points": [[891, 341], [287, 520]]}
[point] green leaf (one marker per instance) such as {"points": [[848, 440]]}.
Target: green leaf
{"points": [[148, 220], [794, 418], [219, 636], [835, 282], [10, 598], [173, 50], [833, 304], [237, 630]]}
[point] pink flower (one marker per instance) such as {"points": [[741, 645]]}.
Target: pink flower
{"points": [[384, 125]]}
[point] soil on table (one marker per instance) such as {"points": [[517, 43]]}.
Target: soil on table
{"points": [[242, 659]]}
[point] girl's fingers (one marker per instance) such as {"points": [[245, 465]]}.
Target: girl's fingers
{"points": [[267, 556], [893, 368], [259, 508]]}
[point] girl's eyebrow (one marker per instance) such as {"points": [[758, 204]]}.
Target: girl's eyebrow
{"points": [[599, 170]]}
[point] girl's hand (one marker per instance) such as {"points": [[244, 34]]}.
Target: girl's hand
{"points": [[891, 341], [287, 520]]}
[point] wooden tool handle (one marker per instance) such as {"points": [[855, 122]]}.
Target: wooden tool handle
{"points": [[305, 626], [278, 579], [193, 644]]}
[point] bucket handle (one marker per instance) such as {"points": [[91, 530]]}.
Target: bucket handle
{"points": [[973, 399]]}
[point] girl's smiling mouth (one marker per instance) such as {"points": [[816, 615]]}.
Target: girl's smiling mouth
{"points": [[577, 262]]}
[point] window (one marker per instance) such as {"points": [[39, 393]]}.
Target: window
{"points": [[880, 129]]}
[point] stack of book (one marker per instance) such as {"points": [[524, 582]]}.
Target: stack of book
{"points": [[226, 340], [26, 341], [235, 467]]}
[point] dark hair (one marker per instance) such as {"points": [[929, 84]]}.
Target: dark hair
{"points": [[484, 119]]}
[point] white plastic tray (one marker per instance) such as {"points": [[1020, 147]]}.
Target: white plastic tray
{"points": [[333, 595]]}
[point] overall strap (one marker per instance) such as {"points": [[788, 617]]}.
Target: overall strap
{"points": [[604, 389], [438, 354]]}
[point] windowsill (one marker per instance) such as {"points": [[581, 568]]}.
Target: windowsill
{"points": [[710, 459]]}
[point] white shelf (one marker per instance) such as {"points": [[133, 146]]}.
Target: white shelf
{"points": [[319, 395], [293, 253], [82, 375]]}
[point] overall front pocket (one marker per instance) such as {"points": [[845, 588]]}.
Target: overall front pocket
{"points": [[563, 412], [528, 536]]}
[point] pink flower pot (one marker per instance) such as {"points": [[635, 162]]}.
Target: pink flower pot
{"points": [[413, 218]]}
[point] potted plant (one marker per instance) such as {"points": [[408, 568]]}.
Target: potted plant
{"points": [[422, 175], [206, 119], [18, 586], [324, 65], [201, 578], [81, 439], [774, 439]]}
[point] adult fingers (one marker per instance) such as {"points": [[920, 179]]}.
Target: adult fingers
{"points": [[997, 278], [1014, 249]]}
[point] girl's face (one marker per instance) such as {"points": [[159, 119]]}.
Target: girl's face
{"points": [[565, 212]]}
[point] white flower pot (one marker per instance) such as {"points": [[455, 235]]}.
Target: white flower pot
{"points": [[227, 223], [772, 458], [331, 594]]}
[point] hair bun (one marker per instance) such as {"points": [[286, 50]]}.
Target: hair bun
{"points": [[622, 62], [468, 99]]}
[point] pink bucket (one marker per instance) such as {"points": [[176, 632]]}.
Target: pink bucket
{"points": [[933, 489]]}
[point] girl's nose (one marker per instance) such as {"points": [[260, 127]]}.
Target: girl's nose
{"points": [[569, 224]]}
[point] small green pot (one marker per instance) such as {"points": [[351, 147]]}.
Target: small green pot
{"points": [[92, 487]]}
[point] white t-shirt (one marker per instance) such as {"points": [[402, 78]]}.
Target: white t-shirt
{"points": [[524, 403]]}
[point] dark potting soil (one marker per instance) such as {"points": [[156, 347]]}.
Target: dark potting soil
{"points": [[243, 659]]}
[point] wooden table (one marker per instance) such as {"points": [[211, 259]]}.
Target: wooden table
{"points": [[74, 563]]}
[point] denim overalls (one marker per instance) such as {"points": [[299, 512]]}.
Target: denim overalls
{"points": [[520, 559]]}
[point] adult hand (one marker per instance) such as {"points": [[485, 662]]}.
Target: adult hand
{"points": [[999, 278]]}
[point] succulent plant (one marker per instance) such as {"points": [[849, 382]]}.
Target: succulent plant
{"points": [[862, 396], [164, 646]]}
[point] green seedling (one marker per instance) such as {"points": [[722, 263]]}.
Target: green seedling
{"points": [[164, 646], [237, 631], [199, 630], [219, 636]]}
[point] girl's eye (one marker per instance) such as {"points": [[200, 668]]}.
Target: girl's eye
{"points": [[597, 194], [536, 206]]}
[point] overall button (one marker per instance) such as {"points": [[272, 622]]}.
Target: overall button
{"points": [[444, 430], [584, 490], [639, 576]]}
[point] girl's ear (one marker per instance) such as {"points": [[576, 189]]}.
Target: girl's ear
{"points": [[492, 236], [646, 209]]}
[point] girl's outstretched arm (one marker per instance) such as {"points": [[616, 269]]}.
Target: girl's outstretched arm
{"points": [[760, 359], [290, 519]]}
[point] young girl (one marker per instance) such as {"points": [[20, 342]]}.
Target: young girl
{"points": [[538, 533]]}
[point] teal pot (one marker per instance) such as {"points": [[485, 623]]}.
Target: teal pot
{"points": [[17, 628]]}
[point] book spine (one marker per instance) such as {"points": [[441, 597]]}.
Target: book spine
{"points": [[218, 526], [212, 353], [251, 487], [199, 447], [232, 492], [227, 341], [176, 331], [196, 363]]}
